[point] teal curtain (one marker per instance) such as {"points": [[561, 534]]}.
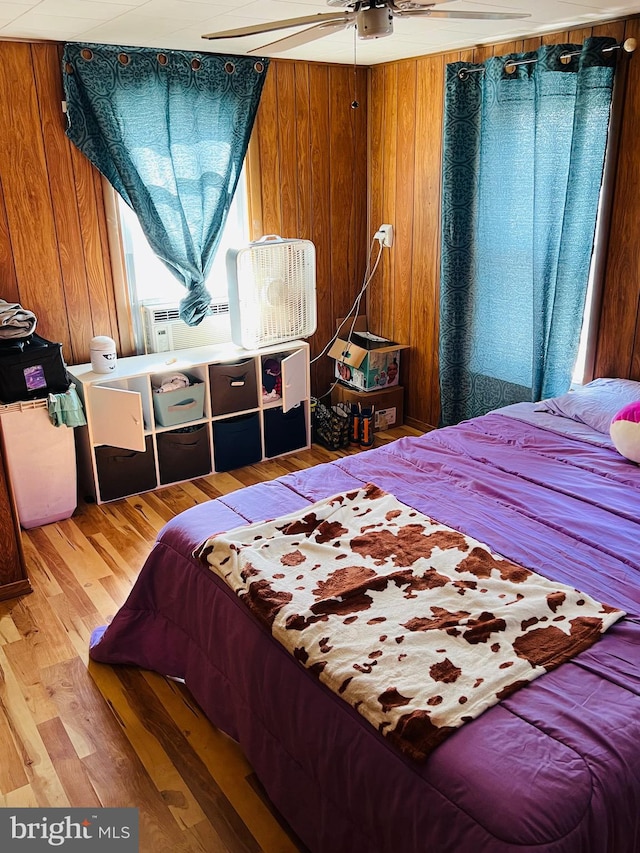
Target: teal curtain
{"points": [[523, 157], [169, 130]]}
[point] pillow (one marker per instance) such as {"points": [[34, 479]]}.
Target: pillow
{"points": [[594, 404], [625, 432]]}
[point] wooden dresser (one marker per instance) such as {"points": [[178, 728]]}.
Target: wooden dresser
{"points": [[13, 575]]}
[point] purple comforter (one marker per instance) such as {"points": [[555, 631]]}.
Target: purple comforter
{"points": [[553, 769]]}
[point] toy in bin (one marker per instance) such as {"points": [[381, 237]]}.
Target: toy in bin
{"points": [[271, 380]]}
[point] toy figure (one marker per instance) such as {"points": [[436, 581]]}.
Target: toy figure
{"points": [[271, 379]]}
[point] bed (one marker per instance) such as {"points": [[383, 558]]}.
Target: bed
{"points": [[553, 768]]}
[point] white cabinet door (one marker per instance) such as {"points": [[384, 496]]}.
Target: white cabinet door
{"points": [[294, 379], [116, 417]]}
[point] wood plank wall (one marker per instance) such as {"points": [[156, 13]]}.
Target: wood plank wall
{"points": [[618, 345], [311, 176], [308, 180], [54, 254], [406, 115]]}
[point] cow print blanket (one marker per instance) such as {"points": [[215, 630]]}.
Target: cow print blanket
{"points": [[417, 626]]}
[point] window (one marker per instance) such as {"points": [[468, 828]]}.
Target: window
{"points": [[149, 280]]}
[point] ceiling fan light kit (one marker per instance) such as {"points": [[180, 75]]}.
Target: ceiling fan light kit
{"points": [[372, 19], [375, 22]]}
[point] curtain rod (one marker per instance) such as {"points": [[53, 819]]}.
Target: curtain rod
{"points": [[628, 45]]}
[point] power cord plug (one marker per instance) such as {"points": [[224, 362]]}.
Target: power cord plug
{"points": [[384, 235]]}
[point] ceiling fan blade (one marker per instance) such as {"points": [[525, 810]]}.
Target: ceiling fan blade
{"points": [[470, 16], [257, 29], [304, 37]]}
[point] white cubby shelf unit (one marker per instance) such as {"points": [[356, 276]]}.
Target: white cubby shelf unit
{"points": [[134, 443]]}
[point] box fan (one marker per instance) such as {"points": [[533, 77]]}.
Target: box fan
{"points": [[272, 291]]}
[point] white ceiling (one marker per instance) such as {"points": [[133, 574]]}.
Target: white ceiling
{"points": [[179, 24]]}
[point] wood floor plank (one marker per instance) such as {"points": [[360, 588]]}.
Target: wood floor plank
{"points": [[202, 489], [224, 482], [70, 769], [32, 753], [22, 658], [224, 761], [40, 573], [204, 833], [76, 550], [185, 760], [12, 775], [79, 705], [57, 569], [8, 631], [119, 781], [49, 646], [77, 627], [106, 547], [21, 798], [138, 725]]}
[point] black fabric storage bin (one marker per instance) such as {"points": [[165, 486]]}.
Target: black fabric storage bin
{"points": [[31, 369], [183, 454], [236, 442], [284, 431], [233, 387], [125, 472]]}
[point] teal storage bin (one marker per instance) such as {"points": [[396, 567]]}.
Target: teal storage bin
{"points": [[180, 406]]}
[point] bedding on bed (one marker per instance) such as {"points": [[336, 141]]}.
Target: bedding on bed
{"points": [[593, 404], [417, 626], [553, 768]]}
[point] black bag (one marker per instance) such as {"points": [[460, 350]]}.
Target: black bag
{"points": [[31, 368]]}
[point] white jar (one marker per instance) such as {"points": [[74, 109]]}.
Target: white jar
{"points": [[103, 354]]}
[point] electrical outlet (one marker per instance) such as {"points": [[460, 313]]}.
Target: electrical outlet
{"points": [[386, 235]]}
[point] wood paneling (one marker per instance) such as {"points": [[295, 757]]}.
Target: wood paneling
{"points": [[27, 194], [618, 349], [423, 403], [53, 250], [318, 170], [406, 111], [308, 180]]}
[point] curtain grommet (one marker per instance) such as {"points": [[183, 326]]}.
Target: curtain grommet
{"points": [[68, 67], [229, 67], [162, 59], [124, 59], [510, 67], [87, 54], [196, 64], [258, 67], [566, 58]]}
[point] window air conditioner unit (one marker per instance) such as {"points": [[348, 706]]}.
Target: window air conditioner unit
{"points": [[165, 331]]}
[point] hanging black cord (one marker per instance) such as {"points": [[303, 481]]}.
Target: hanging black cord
{"points": [[354, 103]]}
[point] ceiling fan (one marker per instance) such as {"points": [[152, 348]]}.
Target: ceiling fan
{"points": [[371, 18]]}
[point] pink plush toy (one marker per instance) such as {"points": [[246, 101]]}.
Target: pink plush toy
{"points": [[625, 431]]}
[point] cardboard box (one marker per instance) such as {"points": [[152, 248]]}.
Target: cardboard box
{"points": [[388, 404], [368, 361]]}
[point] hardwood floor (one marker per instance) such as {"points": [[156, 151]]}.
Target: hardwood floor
{"points": [[77, 733]]}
